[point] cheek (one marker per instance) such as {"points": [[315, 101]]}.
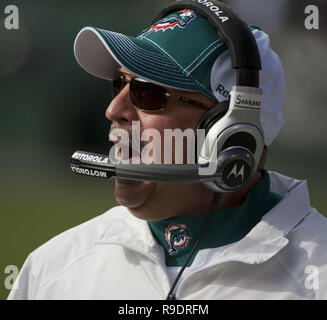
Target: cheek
{"points": [[172, 150], [184, 118], [188, 118]]}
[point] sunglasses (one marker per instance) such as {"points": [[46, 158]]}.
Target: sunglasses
{"points": [[148, 96]]}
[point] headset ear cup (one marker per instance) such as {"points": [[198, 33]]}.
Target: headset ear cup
{"points": [[213, 115], [210, 118], [235, 168]]}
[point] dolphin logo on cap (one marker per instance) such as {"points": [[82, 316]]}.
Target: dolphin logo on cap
{"points": [[181, 19]]}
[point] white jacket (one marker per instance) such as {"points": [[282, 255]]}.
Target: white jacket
{"points": [[114, 256]]}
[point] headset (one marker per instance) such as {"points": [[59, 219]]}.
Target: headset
{"points": [[233, 141]]}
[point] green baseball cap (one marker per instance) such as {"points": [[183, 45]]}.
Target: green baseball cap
{"points": [[177, 51]]}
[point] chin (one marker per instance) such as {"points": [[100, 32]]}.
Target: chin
{"points": [[132, 194]]}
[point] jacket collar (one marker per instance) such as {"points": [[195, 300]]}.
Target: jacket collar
{"points": [[268, 237], [264, 241], [127, 231]]}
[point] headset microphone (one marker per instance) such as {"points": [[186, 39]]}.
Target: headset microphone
{"points": [[232, 169], [97, 165]]}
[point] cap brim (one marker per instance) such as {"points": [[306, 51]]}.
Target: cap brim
{"points": [[102, 53]]}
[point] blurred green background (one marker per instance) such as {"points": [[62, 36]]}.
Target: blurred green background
{"points": [[50, 107]]}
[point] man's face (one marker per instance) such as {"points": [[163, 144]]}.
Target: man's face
{"points": [[141, 198]]}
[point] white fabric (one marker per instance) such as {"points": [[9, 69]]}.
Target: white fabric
{"points": [[172, 272], [272, 83], [114, 256]]}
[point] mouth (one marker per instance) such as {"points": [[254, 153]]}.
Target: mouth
{"points": [[125, 151]]}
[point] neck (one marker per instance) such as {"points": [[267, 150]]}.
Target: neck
{"points": [[188, 200]]}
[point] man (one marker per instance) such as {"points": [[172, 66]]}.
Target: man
{"points": [[262, 241]]}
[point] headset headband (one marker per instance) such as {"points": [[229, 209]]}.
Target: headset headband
{"points": [[231, 30]]}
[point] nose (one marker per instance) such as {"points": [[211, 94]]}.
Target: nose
{"points": [[121, 108]]}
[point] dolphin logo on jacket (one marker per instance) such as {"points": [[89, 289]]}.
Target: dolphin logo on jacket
{"points": [[177, 236]]}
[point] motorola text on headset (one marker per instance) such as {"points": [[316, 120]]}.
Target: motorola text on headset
{"points": [[233, 134]]}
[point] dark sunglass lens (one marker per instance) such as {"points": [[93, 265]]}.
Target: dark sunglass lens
{"points": [[118, 85], [147, 96]]}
